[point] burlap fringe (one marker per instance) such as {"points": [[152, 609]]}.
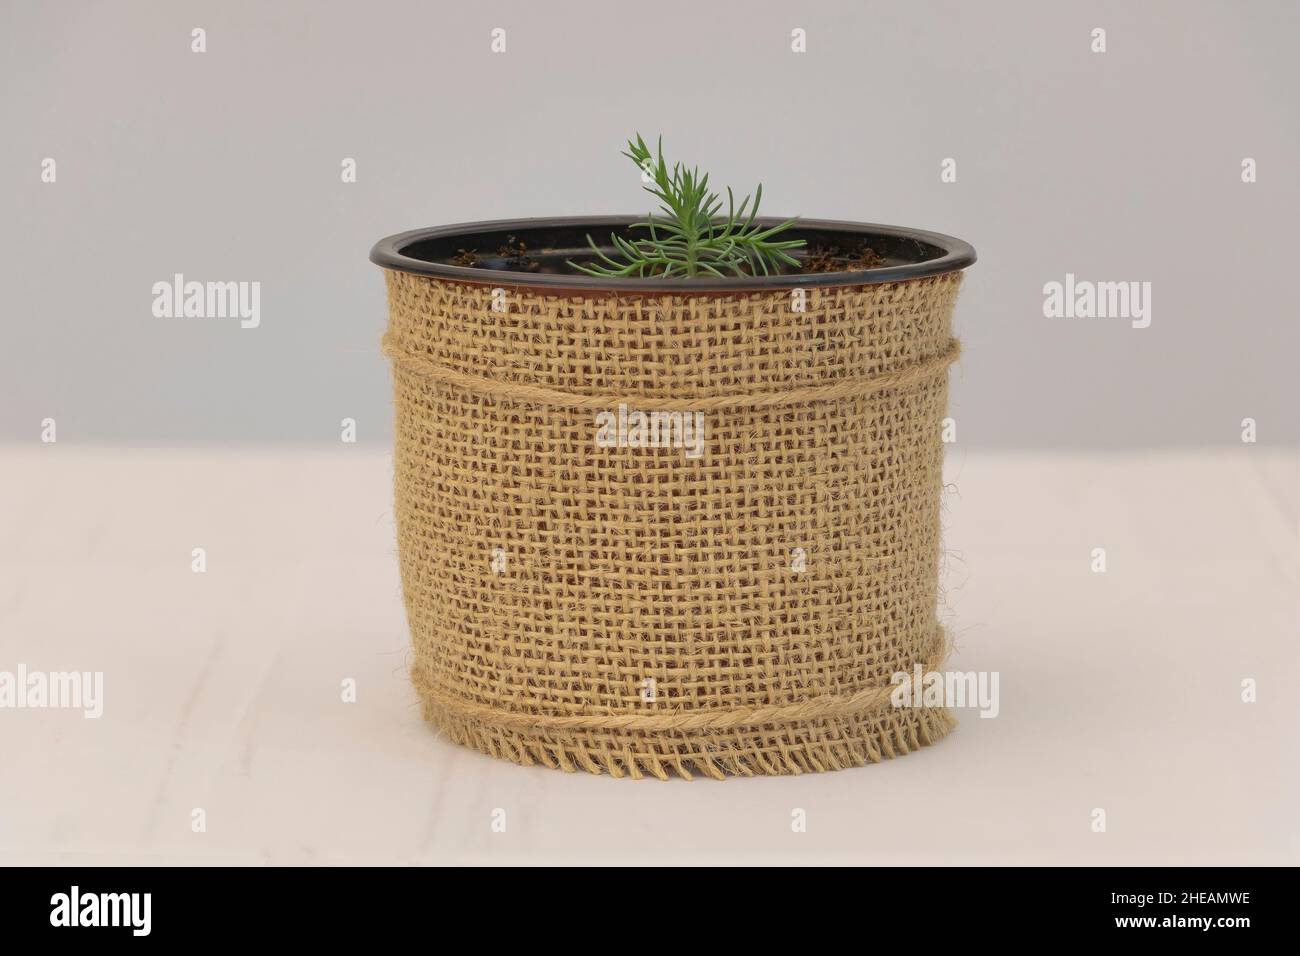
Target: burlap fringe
{"points": [[816, 747]]}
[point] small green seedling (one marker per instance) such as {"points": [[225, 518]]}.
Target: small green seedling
{"points": [[689, 238]]}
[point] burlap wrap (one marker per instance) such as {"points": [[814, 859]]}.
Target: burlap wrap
{"points": [[636, 610]]}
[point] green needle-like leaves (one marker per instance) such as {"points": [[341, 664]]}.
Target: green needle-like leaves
{"points": [[688, 237]]}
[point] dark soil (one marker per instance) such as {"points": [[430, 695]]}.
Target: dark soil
{"points": [[833, 259], [514, 256]]}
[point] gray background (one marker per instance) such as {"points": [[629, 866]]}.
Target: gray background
{"points": [[225, 166]]}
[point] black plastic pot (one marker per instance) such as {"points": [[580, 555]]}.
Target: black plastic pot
{"points": [[549, 242]]}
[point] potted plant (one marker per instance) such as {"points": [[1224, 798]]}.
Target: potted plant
{"points": [[667, 487]]}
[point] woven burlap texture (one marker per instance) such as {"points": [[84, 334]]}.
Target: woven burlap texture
{"points": [[635, 610]]}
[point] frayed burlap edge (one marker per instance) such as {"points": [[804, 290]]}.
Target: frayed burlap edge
{"points": [[815, 746]]}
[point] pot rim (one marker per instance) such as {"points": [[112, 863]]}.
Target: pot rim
{"points": [[389, 253]]}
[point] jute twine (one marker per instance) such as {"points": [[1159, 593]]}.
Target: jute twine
{"points": [[637, 610]]}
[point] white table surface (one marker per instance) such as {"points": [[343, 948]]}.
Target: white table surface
{"points": [[222, 691]]}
